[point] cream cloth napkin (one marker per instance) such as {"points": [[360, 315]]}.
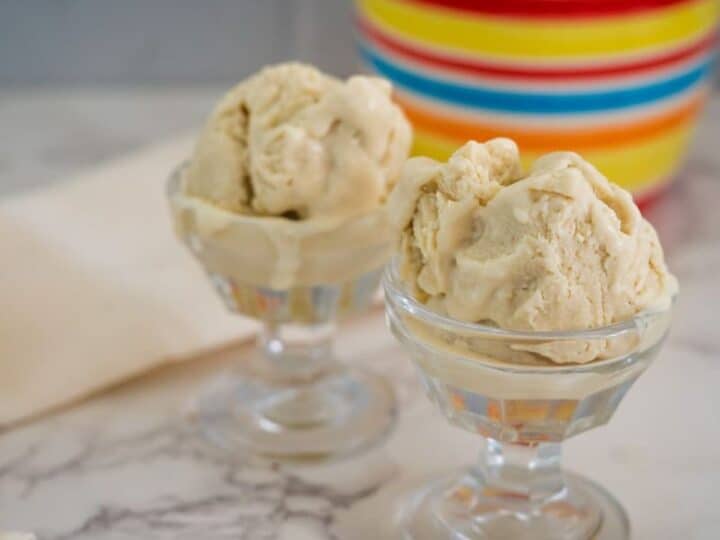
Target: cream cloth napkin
{"points": [[94, 287]]}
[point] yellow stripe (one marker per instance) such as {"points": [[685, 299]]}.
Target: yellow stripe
{"points": [[503, 36], [635, 167]]}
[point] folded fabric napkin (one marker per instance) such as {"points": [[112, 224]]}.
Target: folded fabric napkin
{"points": [[94, 287]]}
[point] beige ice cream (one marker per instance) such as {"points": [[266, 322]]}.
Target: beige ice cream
{"points": [[559, 249], [288, 182], [291, 141]]}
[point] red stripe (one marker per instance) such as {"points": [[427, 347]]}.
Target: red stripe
{"points": [[478, 67], [646, 200], [549, 8]]}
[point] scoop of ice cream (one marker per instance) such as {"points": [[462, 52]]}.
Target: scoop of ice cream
{"points": [[559, 249], [291, 141]]}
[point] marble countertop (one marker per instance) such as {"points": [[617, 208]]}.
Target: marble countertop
{"points": [[120, 466]]}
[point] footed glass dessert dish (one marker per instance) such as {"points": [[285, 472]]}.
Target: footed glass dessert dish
{"points": [[291, 400], [497, 383]]}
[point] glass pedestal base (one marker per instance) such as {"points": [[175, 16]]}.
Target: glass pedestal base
{"points": [[456, 506], [243, 414]]}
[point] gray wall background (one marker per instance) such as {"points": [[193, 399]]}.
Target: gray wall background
{"points": [[105, 42], [207, 42]]}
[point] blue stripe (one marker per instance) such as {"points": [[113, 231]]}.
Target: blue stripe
{"points": [[537, 102]]}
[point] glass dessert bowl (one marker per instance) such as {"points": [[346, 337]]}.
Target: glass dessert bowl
{"points": [[496, 383], [291, 400]]}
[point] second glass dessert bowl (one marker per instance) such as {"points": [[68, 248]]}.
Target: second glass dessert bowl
{"points": [[495, 383], [290, 400]]}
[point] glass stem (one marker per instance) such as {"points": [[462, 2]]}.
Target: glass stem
{"points": [[527, 471], [296, 357], [297, 352]]}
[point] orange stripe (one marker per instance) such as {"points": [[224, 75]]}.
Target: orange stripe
{"points": [[549, 140]]}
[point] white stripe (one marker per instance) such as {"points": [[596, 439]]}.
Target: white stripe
{"points": [[552, 121], [599, 83], [601, 60]]}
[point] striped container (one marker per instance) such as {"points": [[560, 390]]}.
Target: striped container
{"points": [[620, 81]]}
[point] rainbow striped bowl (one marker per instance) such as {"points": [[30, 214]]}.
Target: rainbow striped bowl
{"points": [[620, 81]]}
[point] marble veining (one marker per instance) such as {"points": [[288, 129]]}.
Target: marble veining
{"points": [[252, 501], [126, 466]]}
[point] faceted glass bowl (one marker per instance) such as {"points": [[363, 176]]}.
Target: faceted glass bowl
{"points": [[497, 383], [290, 400]]}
